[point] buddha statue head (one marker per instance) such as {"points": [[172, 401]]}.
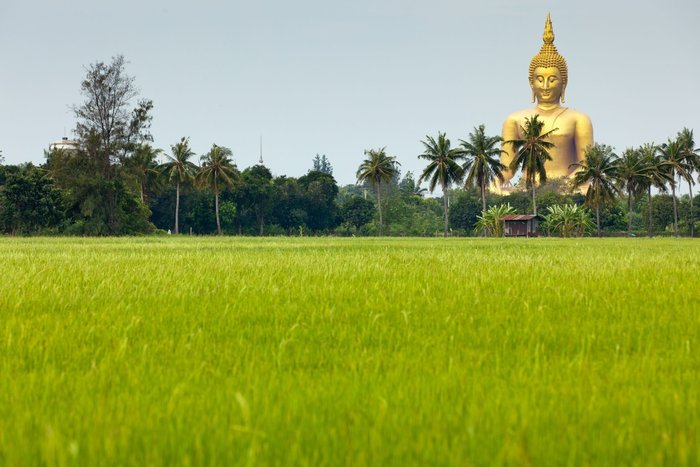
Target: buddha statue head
{"points": [[548, 72]]}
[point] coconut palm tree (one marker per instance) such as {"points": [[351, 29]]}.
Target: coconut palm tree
{"points": [[531, 153], [483, 161], [691, 161], [179, 168], [443, 167], [598, 170], [631, 177], [145, 167], [376, 169], [674, 162], [217, 171], [656, 176]]}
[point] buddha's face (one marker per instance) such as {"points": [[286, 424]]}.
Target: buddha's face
{"points": [[547, 85]]}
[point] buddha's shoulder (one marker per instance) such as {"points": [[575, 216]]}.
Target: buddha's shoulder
{"points": [[521, 114], [518, 117], [578, 116], [569, 113]]}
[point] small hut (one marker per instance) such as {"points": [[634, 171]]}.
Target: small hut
{"points": [[521, 225]]}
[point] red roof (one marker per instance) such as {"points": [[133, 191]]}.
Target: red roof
{"points": [[518, 217]]}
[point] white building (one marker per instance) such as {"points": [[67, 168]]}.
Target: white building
{"points": [[64, 144]]}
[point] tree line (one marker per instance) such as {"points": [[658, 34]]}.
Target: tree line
{"points": [[116, 183]]}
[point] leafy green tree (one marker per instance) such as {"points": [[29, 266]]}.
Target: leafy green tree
{"points": [[483, 161], [110, 125], [691, 162], [96, 205], [196, 217], [464, 209], [377, 168], [357, 211], [228, 213], [521, 201], [322, 164], [320, 192], [288, 209], [144, 165], [29, 201], [662, 213], [107, 111], [410, 187], [405, 211], [531, 154], [631, 173], [545, 199], [491, 220], [180, 169], [256, 194], [598, 170], [217, 172], [107, 115], [674, 161], [443, 167]]}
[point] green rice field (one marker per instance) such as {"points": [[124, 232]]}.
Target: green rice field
{"points": [[333, 352]]}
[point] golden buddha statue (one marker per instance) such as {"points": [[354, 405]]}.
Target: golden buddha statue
{"points": [[573, 130]]}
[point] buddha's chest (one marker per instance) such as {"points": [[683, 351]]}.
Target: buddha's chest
{"points": [[564, 126]]}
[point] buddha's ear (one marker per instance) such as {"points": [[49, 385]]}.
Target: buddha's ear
{"points": [[563, 90], [532, 86]]}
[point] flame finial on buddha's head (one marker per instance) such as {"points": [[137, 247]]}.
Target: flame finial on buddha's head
{"points": [[549, 56]]}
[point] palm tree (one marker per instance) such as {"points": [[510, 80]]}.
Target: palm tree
{"points": [[656, 176], [531, 153], [217, 169], [631, 177], [674, 162], [483, 164], [143, 163], [442, 168], [179, 168], [691, 161], [598, 170], [378, 168]]}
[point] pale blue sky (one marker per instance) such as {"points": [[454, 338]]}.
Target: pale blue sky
{"points": [[332, 77]]}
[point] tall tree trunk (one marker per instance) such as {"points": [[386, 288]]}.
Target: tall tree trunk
{"points": [[692, 219], [216, 206], [111, 205], [143, 197], [483, 201], [534, 198], [629, 212], [675, 205], [379, 207], [262, 225], [177, 207], [597, 218], [444, 204], [649, 227]]}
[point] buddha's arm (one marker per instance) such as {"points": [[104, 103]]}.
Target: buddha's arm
{"points": [[510, 132], [584, 136]]}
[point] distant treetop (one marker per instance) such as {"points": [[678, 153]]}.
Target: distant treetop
{"points": [[322, 164]]}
